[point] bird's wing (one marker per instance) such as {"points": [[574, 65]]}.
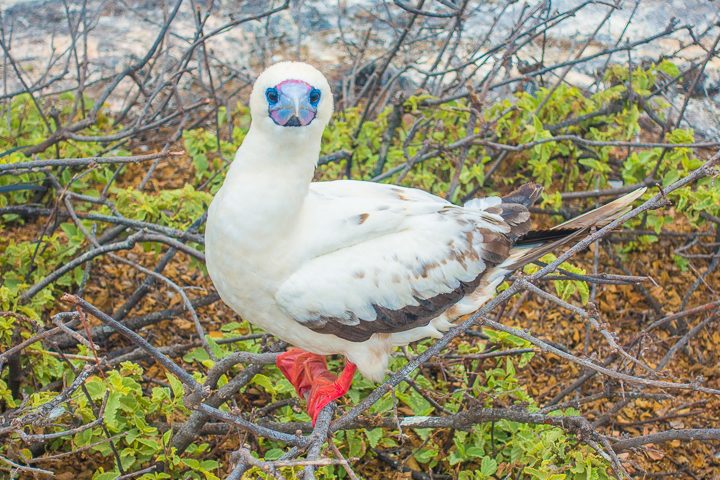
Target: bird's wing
{"points": [[386, 259], [372, 190]]}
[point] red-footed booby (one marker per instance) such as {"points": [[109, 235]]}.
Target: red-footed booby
{"points": [[347, 267]]}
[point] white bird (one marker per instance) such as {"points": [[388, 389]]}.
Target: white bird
{"points": [[349, 267]]}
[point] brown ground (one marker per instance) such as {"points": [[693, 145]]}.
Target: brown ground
{"points": [[623, 307]]}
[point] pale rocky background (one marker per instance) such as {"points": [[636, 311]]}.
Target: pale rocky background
{"points": [[312, 30]]}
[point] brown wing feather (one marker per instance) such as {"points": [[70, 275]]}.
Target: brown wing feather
{"points": [[392, 321], [514, 208], [496, 248]]}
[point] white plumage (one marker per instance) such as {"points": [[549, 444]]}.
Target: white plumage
{"points": [[299, 258]]}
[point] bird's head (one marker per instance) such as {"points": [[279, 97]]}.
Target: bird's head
{"points": [[291, 98]]}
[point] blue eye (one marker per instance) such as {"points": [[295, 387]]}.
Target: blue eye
{"points": [[314, 97], [272, 95]]}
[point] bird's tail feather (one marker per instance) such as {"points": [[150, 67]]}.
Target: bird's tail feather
{"points": [[605, 214], [537, 243]]}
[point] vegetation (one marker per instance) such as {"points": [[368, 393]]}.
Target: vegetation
{"points": [[136, 411], [611, 348]]}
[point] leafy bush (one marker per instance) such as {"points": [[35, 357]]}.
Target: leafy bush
{"points": [[137, 415]]}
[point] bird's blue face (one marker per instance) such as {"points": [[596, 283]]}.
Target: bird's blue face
{"points": [[292, 103]]}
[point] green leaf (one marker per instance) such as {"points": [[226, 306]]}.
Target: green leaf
{"points": [[373, 436], [669, 68], [488, 466], [265, 382], [177, 387], [229, 327], [106, 476], [111, 410], [425, 455], [682, 263]]}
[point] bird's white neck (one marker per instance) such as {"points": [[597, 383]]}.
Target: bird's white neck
{"points": [[269, 180]]}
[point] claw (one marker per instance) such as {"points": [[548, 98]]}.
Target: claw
{"points": [[308, 373]]}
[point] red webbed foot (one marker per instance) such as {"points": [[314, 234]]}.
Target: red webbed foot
{"points": [[327, 388], [308, 373]]}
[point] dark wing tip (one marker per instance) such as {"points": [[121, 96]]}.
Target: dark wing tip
{"points": [[544, 236], [525, 195], [514, 208]]}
